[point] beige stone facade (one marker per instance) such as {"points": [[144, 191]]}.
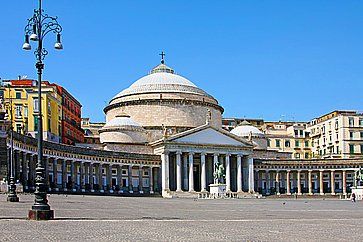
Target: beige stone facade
{"points": [[289, 137], [338, 134]]}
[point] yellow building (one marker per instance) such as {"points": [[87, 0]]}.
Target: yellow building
{"points": [[289, 137], [24, 98]]}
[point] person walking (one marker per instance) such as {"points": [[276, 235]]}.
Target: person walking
{"points": [[353, 197]]}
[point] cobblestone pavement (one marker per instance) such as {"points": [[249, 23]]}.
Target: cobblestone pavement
{"points": [[96, 218]]}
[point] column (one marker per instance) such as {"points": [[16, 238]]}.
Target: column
{"points": [[165, 171], [109, 177], [203, 173], [64, 175], [185, 172], [81, 176], [46, 166], [215, 162], [86, 174], [344, 177], [131, 189], [100, 175], [239, 173], [140, 179], [277, 182], [73, 171], [90, 175], [299, 182], [24, 168], [191, 172], [321, 183], [251, 177], [16, 166], [31, 171], [55, 173], [228, 173], [151, 180], [178, 172], [267, 178], [310, 183], [288, 189], [332, 182], [119, 176]]}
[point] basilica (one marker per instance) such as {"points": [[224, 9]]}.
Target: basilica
{"points": [[164, 135]]}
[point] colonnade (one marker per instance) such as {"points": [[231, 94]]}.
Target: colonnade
{"points": [[72, 175], [307, 181], [192, 171]]}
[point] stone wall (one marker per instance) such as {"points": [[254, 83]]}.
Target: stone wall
{"points": [[165, 96], [271, 154], [169, 114], [131, 148]]}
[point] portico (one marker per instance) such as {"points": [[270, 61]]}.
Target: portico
{"points": [[188, 161]]}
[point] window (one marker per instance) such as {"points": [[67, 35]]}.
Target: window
{"points": [[49, 108], [306, 143], [337, 149], [287, 143], [301, 132], [306, 155], [36, 105], [35, 122], [25, 112], [351, 135], [18, 95], [296, 132], [297, 143], [18, 128], [297, 156], [268, 143], [336, 124], [351, 149], [361, 134], [351, 122], [361, 122], [18, 111], [277, 143], [361, 149], [49, 125]]}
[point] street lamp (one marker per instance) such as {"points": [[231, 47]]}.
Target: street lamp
{"points": [[12, 196], [37, 28]]}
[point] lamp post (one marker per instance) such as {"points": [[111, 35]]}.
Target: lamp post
{"points": [[37, 28], [12, 196]]}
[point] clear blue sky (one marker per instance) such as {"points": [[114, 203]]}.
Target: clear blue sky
{"points": [[260, 59]]}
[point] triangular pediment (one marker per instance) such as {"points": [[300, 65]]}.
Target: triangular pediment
{"points": [[208, 136]]}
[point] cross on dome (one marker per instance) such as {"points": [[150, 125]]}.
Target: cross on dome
{"points": [[162, 57]]}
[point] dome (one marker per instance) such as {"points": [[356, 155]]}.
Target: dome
{"points": [[121, 121], [164, 98], [122, 129], [245, 129], [162, 79]]}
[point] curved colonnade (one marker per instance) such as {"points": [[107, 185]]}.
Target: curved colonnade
{"points": [[75, 169], [72, 169]]}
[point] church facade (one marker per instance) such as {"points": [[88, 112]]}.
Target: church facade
{"points": [[164, 135]]}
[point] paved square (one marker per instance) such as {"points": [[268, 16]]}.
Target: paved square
{"points": [[81, 218]]}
